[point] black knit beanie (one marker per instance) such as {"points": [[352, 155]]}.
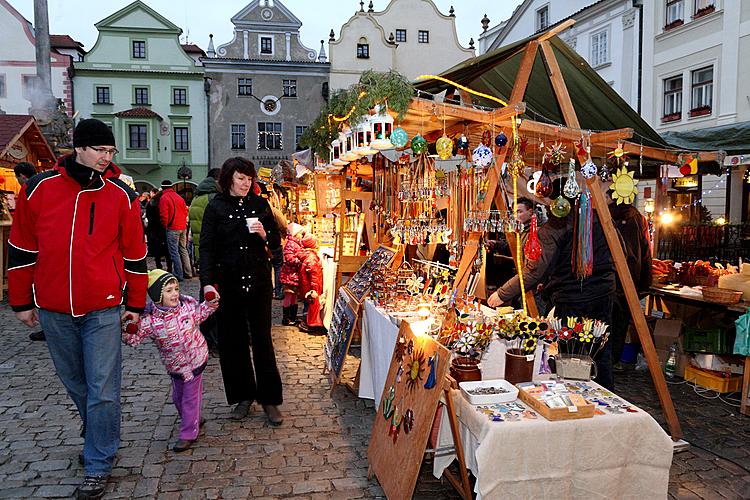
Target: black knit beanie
{"points": [[92, 132]]}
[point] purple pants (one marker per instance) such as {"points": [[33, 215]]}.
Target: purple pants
{"points": [[188, 397]]}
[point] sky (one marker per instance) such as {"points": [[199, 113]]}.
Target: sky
{"points": [[77, 17]]}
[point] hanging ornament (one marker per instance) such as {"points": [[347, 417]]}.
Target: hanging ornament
{"points": [[481, 156], [532, 250], [571, 189], [444, 147], [624, 186], [556, 153], [588, 169], [582, 255], [581, 149], [560, 207], [690, 167], [463, 142], [604, 174], [486, 137], [418, 144], [618, 154], [501, 140], [544, 185], [531, 185], [399, 137]]}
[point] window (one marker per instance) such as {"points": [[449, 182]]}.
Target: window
{"points": [[141, 95], [102, 95], [703, 7], [138, 136], [599, 49], [298, 131], [542, 18], [179, 96], [363, 51], [181, 139], [244, 86], [2, 85], [701, 91], [238, 136], [674, 13], [423, 36], [269, 135], [139, 49], [672, 98], [28, 84], [401, 36], [290, 88], [266, 45]]}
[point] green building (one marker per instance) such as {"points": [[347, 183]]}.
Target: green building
{"points": [[150, 89]]}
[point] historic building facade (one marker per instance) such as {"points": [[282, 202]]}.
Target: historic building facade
{"points": [[410, 36], [138, 79], [265, 86]]}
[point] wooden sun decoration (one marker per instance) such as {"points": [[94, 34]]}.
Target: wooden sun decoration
{"points": [[415, 369], [624, 186]]}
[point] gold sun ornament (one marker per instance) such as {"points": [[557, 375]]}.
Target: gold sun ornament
{"points": [[624, 186]]}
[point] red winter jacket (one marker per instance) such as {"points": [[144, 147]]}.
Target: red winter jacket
{"points": [[173, 211], [289, 274], [310, 273], [80, 267]]}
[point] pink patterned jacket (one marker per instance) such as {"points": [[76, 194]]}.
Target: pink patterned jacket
{"points": [[176, 334]]}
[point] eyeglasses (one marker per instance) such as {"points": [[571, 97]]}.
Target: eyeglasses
{"points": [[105, 151]]}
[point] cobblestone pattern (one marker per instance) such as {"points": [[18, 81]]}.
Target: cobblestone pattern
{"points": [[319, 452]]}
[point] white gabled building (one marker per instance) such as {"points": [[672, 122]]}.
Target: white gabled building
{"points": [[410, 36]]}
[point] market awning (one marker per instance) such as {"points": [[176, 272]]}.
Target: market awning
{"points": [[597, 105], [734, 139]]}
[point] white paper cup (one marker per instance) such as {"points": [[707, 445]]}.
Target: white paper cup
{"points": [[250, 222]]}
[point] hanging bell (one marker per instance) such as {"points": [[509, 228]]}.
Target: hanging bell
{"points": [[399, 137], [571, 189], [544, 184], [560, 207], [418, 144], [501, 140], [444, 147]]}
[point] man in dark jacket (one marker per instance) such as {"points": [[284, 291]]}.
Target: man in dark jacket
{"points": [[591, 297], [633, 227], [207, 189], [77, 253], [173, 213]]}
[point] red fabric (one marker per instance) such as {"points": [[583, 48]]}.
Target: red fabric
{"points": [[173, 211], [313, 313], [80, 267], [311, 273], [289, 274]]}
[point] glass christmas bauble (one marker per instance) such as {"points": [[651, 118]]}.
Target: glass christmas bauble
{"points": [[463, 142], [544, 184], [418, 144], [588, 169], [444, 147], [560, 207], [481, 156], [399, 137], [501, 140]]}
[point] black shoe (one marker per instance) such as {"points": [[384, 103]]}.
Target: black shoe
{"points": [[80, 458], [37, 336], [318, 330], [183, 445], [275, 418], [91, 488], [304, 327], [240, 411]]}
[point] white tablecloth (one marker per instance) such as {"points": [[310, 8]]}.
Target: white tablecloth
{"points": [[379, 334], [328, 298], [625, 455]]}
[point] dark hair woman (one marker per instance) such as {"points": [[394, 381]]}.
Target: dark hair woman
{"points": [[237, 233]]}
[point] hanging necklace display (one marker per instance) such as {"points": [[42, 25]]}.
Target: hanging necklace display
{"points": [[532, 250], [571, 188]]}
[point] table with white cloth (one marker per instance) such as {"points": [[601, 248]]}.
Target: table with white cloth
{"points": [[622, 455], [328, 299], [379, 334]]}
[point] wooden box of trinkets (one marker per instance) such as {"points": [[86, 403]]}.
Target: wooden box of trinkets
{"points": [[483, 392], [553, 402]]}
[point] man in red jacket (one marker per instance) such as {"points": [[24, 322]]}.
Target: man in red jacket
{"points": [[173, 214], [77, 252]]}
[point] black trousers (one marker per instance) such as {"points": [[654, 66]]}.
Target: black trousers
{"points": [[246, 378], [601, 309]]}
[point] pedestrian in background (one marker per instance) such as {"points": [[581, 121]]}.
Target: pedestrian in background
{"points": [[77, 252], [156, 234], [237, 236], [173, 214]]}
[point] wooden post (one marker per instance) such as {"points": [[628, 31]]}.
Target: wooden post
{"points": [[463, 486], [745, 402]]}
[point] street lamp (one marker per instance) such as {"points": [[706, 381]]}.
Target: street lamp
{"points": [[185, 174]]}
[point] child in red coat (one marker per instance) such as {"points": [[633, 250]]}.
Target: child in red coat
{"points": [[311, 285], [289, 275]]}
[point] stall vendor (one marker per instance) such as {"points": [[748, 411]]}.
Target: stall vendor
{"points": [[590, 297]]}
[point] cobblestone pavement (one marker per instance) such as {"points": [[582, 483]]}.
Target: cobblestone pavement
{"points": [[319, 452]]}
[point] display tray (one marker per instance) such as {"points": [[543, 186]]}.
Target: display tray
{"points": [[531, 395], [483, 399]]}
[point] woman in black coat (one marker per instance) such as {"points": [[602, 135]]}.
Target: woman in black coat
{"points": [[238, 235]]}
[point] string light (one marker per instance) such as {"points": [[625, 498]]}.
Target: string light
{"points": [[461, 87]]}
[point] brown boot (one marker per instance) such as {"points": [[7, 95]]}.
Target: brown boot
{"points": [[275, 417]]}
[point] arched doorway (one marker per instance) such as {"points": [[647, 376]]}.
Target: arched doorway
{"points": [[186, 189]]}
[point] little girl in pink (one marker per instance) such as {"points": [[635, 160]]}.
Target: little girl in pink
{"points": [[172, 321]]}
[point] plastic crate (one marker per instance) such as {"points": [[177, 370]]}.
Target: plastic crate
{"points": [[710, 380], [707, 340]]}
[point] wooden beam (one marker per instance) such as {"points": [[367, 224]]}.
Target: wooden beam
{"points": [[524, 72], [557, 29], [558, 84], [500, 114], [619, 134]]}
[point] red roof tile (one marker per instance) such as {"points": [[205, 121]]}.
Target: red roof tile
{"points": [[138, 113], [192, 48], [64, 42], [10, 125]]}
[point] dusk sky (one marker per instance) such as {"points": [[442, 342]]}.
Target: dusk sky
{"points": [[77, 17]]}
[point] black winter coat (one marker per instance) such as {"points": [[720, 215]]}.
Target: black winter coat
{"points": [[634, 230], [231, 256]]}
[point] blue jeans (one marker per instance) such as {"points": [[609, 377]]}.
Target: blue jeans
{"points": [[87, 355], [177, 247]]}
